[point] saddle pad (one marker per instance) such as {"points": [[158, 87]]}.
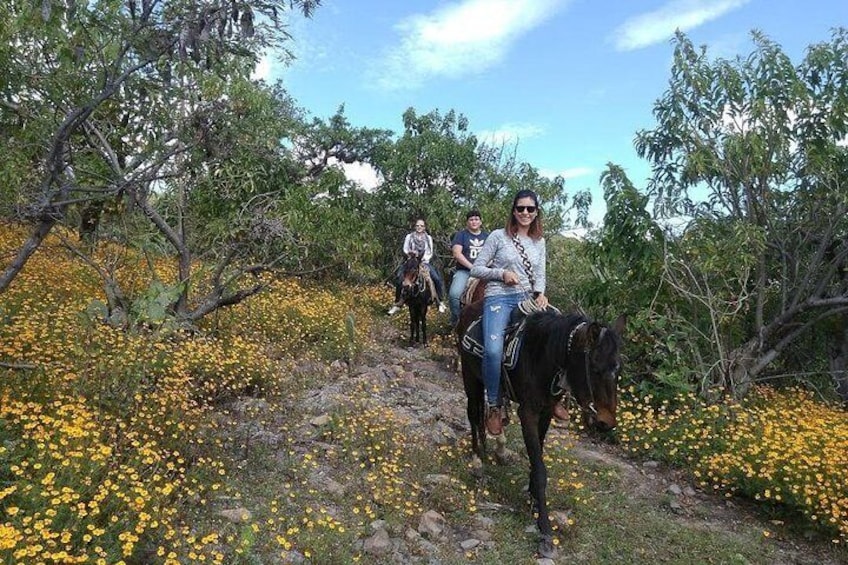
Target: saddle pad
{"points": [[472, 341]]}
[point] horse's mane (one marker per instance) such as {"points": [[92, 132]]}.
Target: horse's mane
{"points": [[546, 339]]}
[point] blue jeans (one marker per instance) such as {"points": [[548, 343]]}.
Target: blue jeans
{"points": [[496, 312], [457, 287], [437, 282]]}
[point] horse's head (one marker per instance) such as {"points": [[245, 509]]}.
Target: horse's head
{"points": [[597, 393], [409, 277]]}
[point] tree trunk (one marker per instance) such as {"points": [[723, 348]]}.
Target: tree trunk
{"points": [[741, 362], [27, 249], [90, 214], [838, 361]]}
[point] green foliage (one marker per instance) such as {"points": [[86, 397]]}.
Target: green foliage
{"points": [[157, 111], [152, 306], [627, 251], [659, 354], [569, 273], [437, 170]]}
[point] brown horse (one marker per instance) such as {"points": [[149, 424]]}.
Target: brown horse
{"points": [[559, 353], [415, 292]]}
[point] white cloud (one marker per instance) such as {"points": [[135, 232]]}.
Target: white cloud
{"points": [[508, 134], [362, 174], [262, 70], [575, 172], [460, 38], [572, 173], [302, 49], [659, 25], [728, 46]]}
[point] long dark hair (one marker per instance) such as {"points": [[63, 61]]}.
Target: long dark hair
{"points": [[535, 231]]}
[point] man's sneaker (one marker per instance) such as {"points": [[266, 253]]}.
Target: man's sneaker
{"points": [[560, 412], [442, 307], [394, 310], [494, 420]]}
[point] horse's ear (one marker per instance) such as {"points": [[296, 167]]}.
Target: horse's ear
{"points": [[618, 326], [592, 334]]}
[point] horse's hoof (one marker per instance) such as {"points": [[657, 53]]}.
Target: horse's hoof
{"points": [[506, 457], [547, 549], [476, 467], [500, 439]]}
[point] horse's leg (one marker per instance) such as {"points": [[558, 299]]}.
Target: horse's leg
{"points": [[478, 436], [424, 323], [412, 324], [544, 426], [530, 428], [474, 395]]}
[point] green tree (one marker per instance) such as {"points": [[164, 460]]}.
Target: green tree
{"points": [[427, 171], [85, 100], [763, 141], [336, 229], [149, 107]]}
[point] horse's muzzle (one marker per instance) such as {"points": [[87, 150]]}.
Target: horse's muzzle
{"points": [[602, 426], [601, 421]]}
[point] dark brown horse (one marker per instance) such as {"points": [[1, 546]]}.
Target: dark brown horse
{"points": [[415, 292], [559, 354]]}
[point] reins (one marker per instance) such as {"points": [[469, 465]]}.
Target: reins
{"points": [[586, 352], [419, 286]]}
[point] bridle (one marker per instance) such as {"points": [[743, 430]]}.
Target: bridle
{"points": [[560, 375]]}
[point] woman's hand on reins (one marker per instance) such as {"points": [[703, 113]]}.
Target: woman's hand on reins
{"points": [[542, 301]]}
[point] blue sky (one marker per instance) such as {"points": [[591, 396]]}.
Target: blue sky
{"points": [[569, 81]]}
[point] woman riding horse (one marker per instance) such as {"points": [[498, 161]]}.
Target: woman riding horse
{"points": [[557, 353], [420, 244], [512, 262]]}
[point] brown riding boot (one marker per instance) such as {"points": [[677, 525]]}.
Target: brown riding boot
{"points": [[560, 412], [494, 420]]}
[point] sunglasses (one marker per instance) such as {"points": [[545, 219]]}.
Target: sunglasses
{"points": [[528, 209]]}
